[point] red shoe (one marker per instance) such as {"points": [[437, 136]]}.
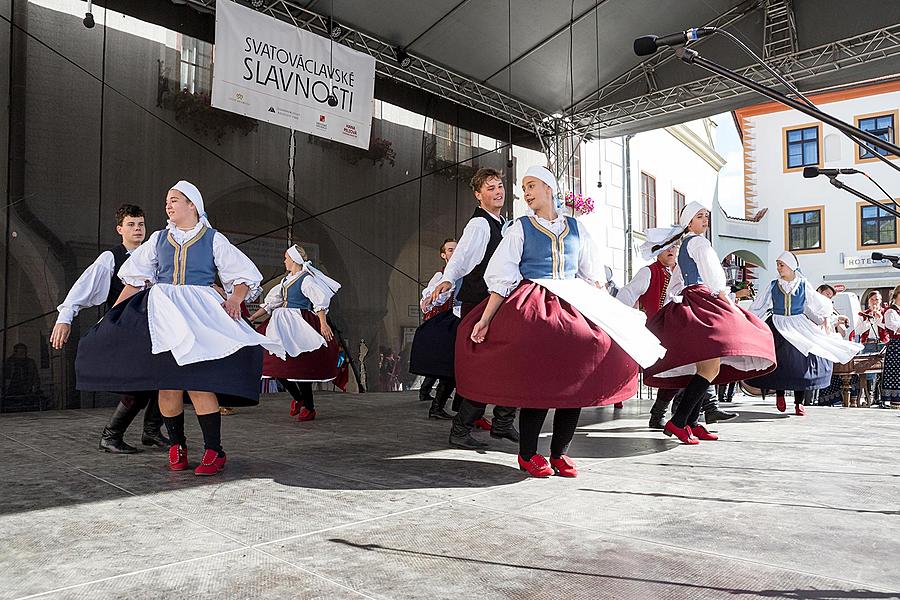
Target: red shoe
{"points": [[563, 466], [306, 414], [780, 404], [684, 434], [483, 423], [536, 467], [619, 405], [295, 408], [702, 433], [178, 457], [211, 464], [799, 410]]}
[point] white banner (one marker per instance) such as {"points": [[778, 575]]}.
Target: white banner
{"points": [[272, 71]]}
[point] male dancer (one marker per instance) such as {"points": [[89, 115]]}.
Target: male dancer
{"points": [[99, 285], [474, 250]]}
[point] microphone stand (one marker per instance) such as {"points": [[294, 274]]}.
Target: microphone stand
{"points": [[691, 56], [833, 180]]}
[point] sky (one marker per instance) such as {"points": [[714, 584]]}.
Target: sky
{"points": [[731, 177]]}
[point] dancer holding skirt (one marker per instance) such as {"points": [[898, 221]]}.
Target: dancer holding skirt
{"points": [[179, 336], [549, 335]]}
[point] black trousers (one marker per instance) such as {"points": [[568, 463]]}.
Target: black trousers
{"points": [[531, 421], [301, 391], [663, 398]]}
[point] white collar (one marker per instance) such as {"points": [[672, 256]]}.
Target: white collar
{"points": [[789, 287], [174, 229]]}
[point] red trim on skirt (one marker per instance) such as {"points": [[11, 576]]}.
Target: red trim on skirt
{"points": [[702, 327], [540, 352], [318, 365]]}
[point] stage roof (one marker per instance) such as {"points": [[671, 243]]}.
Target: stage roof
{"points": [[521, 61]]}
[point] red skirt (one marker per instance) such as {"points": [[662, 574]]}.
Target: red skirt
{"points": [[702, 327], [318, 365], [540, 352]]}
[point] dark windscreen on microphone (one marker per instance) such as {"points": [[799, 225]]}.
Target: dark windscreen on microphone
{"points": [[645, 45], [810, 172]]}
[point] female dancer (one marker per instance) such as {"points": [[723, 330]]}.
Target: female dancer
{"points": [[710, 339], [432, 352], [299, 305], [179, 336], [890, 377], [805, 352], [549, 335]]}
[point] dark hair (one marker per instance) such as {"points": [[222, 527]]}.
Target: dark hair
{"points": [[869, 295], [482, 175], [824, 287], [444, 244], [128, 210]]}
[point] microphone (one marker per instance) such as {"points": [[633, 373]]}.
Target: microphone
{"points": [[649, 44], [880, 256], [810, 172], [88, 16]]}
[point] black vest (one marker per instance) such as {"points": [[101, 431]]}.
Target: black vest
{"points": [[473, 289], [120, 255]]}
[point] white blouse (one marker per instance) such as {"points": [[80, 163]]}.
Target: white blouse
{"points": [[91, 289], [708, 264], [234, 266], [316, 293], [469, 250], [892, 320], [817, 308], [502, 274], [637, 287], [426, 304]]}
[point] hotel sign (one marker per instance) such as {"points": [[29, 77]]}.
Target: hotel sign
{"points": [[863, 261]]}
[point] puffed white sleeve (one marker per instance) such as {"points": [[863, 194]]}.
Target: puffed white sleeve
{"points": [[637, 287], [818, 307], [91, 288], [762, 303], [142, 265], [590, 268], [502, 274], [469, 250], [892, 320], [425, 304], [273, 299], [708, 264], [235, 267], [318, 294], [676, 285]]}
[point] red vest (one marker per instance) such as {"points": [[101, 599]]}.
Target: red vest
{"points": [[653, 299]]}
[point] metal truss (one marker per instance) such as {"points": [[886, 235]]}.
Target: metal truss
{"points": [[780, 29], [797, 67], [421, 73]]}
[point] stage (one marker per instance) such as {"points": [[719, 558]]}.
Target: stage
{"points": [[368, 502]]}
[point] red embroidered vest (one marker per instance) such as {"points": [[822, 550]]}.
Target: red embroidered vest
{"points": [[653, 299]]}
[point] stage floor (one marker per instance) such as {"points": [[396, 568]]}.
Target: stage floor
{"points": [[368, 502]]}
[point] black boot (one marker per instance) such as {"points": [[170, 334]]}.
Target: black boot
{"points": [[658, 410], [461, 430], [153, 422], [440, 400], [503, 424], [712, 412], [425, 390], [111, 438]]}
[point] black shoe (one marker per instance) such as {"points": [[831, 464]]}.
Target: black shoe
{"points": [[656, 422], [714, 416], [467, 442], [439, 414], [510, 434], [154, 438], [114, 444]]}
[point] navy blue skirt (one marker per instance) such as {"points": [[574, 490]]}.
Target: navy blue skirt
{"points": [[433, 348], [115, 356], [793, 371]]}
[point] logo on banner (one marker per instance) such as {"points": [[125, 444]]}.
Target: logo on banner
{"points": [[350, 130], [321, 124], [271, 109], [239, 98]]}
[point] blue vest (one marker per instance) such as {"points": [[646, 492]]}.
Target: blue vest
{"points": [[191, 263], [292, 296], [689, 270], [784, 304], [546, 255]]}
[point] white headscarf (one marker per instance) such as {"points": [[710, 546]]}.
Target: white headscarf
{"points": [[327, 282], [191, 192], [689, 212], [790, 260], [544, 174]]}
